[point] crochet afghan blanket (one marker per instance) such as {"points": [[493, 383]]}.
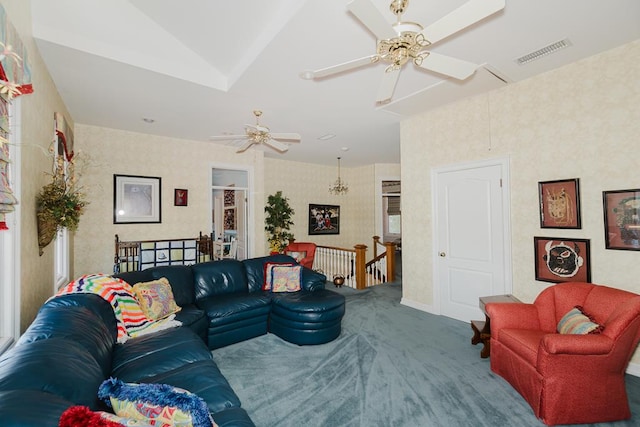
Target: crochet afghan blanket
{"points": [[131, 320]]}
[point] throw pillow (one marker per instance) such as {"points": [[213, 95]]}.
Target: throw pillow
{"points": [[75, 416], [297, 255], [577, 322], [156, 298], [268, 266], [286, 278], [160, 405]]}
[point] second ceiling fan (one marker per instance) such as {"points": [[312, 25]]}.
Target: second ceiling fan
{"points": [[402, 42]]}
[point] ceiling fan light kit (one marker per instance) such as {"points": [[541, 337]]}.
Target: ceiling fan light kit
{"points": [[402, 42], [260, 135]]}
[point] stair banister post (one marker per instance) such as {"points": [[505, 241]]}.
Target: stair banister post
{"points": [[361, 253], [376, 241], [391, 261]]}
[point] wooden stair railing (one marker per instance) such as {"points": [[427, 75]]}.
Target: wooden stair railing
{"points": [[352, 264]]}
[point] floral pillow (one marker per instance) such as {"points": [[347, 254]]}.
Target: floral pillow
{"points": [[268, 267], [160, 405], [156, 298], [286, 278]]}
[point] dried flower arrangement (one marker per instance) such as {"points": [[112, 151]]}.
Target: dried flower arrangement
{"points": [[60, 204]]}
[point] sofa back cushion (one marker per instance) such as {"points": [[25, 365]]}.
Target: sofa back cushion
{"points": [[133, 277], [255, 269], [180, 278], [226, 276]]}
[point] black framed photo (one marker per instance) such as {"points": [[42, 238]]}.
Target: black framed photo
{"points": [[324, 219], [136, 199], [622, 219], [559, 203], [180, 197], [562, 259]]}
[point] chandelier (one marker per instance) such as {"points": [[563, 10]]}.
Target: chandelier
{"points": [[339, 187]]}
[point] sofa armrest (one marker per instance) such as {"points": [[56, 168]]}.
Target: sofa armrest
{"points": [[591, 344], [312, 280], [512, 316]]}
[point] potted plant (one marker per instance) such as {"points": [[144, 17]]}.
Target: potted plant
{"points": [[278, 222]]}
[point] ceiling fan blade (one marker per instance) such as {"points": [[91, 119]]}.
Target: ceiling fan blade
{"points": [[244, 147], [278, 146], [388, 85], [443, 64], [293, 137], [462, 17], [371, 17], [335, 69], [226, 137]]}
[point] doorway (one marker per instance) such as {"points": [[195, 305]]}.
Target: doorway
{"points": [[472, 251], [230, 207]]}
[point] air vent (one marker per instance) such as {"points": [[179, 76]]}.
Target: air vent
{"points": [[547, 50]]}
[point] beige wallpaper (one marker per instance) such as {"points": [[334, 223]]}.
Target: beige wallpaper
{"points": [[579, 121], [305, 184], [179, 163], [36, 129]]}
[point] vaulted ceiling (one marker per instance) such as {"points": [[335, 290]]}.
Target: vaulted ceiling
{"points": [[198, 68]]}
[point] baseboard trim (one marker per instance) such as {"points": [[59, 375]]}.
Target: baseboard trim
{"points": [[632, 369], [418, 306]]}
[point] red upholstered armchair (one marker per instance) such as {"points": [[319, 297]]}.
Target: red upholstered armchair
{"points": [[303, 252], [566, 378]]}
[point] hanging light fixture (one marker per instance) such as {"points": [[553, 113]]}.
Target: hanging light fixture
{"points": [[339, 187]]}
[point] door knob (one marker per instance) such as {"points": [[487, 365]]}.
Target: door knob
{"points": [[442, 254]]}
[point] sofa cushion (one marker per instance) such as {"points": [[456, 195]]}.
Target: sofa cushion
{"points": [[59, 366], [226, 309], [157, 404], [156, 298], [13, 405], [222, 277], [194, 318], [577, 322], [96, 304], [156, 353]]}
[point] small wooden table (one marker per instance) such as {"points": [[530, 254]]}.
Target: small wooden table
{"points": [[482, 329]]}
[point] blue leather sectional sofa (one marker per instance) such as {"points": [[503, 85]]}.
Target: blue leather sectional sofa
{"points": [[69, 349]]}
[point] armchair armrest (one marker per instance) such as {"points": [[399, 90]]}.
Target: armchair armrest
{"points": [[593, 344], [513, 316]]}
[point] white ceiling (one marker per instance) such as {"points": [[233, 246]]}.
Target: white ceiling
{"points": [[200, 67]]}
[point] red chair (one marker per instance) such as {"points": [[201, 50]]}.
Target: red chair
{"points": [[302, 252], [566, 378]]}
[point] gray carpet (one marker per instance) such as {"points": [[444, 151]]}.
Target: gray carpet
{"points": [[391, 366]]}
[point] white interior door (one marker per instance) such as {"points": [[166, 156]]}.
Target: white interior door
{"points": [[472, 230]]}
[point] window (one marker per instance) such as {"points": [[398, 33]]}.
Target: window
{"points": [[10, 240], [391, 213]]}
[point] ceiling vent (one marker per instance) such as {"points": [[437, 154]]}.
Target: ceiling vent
{"points": [[547, 50]]}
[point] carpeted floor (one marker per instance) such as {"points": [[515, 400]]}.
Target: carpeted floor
{"points": [[391, 366]]}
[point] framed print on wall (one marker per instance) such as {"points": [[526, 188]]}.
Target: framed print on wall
{"points": [[324, 219], [559, 203], [136, 199], [622, 219], [180, 197], [562, 260]]}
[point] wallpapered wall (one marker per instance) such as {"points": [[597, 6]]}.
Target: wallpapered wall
{"points": [[305, 184], [37, 111], [579, 121], [180, 163]]}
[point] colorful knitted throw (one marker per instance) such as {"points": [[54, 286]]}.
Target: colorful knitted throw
{"points": [[130, 318]]}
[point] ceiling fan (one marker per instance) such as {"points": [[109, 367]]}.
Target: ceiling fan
{"points": [[402, 42], [258, 134]]}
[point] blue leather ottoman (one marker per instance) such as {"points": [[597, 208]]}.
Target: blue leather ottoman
{"points": [[307, 318]]}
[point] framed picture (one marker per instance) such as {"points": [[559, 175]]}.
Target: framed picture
{"points": [[230, 218], [622, 219], [180, 197], [324, 219], [562, 260], [559, 203], [229, 198], [136, 199]]}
